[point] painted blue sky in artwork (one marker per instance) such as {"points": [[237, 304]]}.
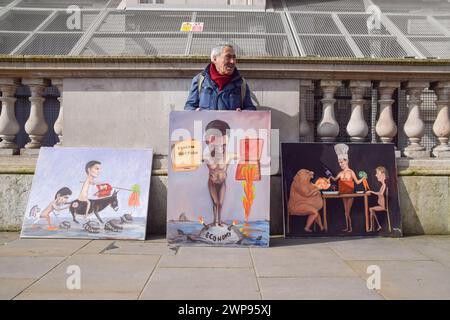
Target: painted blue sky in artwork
{"points": [[65, 167], [188, 191]]}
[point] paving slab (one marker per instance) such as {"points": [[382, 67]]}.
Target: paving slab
{"points": [[283, 243], [300, 262], [442, 242], [302, 268], [42, 247], [409, 279], [202, 284], [139, 247], [376, 249], [208, 257], [156, 238], [17, 273], [6, 237], [102, 277], [26, 267], [95, 247], [126, 247], [434, 250], [10, 287], [320, 288]]}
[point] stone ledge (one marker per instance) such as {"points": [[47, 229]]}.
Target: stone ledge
{"points": [[26, 164], [423, 167], [250, 67], [205, 59]]}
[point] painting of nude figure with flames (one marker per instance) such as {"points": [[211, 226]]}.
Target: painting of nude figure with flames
{"points": [[219, 178]]}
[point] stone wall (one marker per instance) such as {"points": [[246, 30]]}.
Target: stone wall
{"points": [[425, 204], [134, 113]]}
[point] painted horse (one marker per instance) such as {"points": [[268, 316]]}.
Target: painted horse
{"points": [[78, 207]]}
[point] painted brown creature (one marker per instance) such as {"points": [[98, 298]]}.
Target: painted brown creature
{"points": [[305, 199]]}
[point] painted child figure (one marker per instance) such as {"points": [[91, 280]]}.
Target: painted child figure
{"points": [[381, 175], [217, 161], [61, 199], [346, 182]]}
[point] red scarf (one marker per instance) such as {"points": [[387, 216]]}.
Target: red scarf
{"points": [[220, 79]]}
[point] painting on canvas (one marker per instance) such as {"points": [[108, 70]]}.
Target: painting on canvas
{"points": [[219, 178], [94, 193]]}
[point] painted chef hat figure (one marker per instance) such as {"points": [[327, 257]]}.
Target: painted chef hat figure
{"points": [[346, 182], [341, 150]]}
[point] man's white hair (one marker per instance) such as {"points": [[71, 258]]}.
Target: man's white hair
{"points": [[217, 50]]}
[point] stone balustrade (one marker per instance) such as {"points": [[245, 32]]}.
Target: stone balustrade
{"points": [[362, 122], [327, 128]]}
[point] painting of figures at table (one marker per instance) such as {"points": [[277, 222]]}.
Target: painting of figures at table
{"points": [[92, 193], [219, 179], [339, 189]]}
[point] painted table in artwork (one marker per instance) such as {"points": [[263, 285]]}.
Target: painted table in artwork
{"points": [[346, 195]]}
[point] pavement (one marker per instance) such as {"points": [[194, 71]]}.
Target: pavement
{"points": [[327, 268]]}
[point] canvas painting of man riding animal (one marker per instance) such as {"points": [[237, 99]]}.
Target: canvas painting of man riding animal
{"points": [[94, 193]]}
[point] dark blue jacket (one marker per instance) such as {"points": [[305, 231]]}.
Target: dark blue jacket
{"points": [[213, 99]]}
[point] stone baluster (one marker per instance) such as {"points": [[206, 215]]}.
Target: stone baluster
{"points": [[36, 126], [9, 126], [441, 126], [305, 127], [386, 128], [357, 127], [328, 128], [414, 125], [58, 126]]}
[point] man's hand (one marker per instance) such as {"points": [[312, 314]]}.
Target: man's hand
{"points": [[238, 109]]}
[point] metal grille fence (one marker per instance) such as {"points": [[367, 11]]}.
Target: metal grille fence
{"points": [[10, 41], [329, 5], [20, 20], [410, 6], [51, 44], [379, 47], [415, 25], [144, 21], [314, 23], [301, 27], [241, 22], [136, 44], [62, 3], [245, 45], [60, 22], [326, 46], [361, 24], [433, 47]]}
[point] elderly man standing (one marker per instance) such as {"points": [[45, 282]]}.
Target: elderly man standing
{"points": [[220, 86]]}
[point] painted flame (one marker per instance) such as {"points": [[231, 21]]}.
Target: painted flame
{"points": [[248, 172]]}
